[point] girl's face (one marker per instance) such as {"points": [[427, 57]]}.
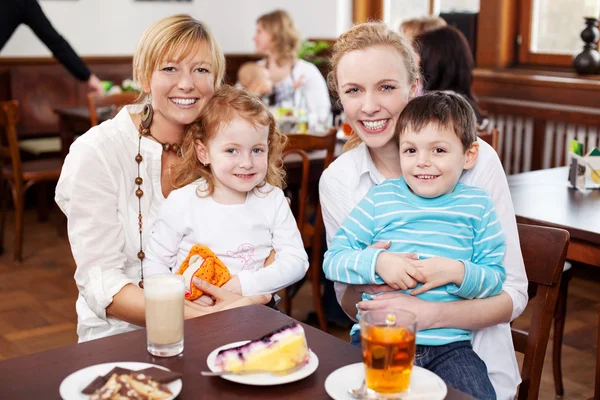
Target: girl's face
{"points": [[262, 40], [374, 89], [237, 156], [181, 89]]}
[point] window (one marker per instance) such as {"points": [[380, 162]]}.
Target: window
{"points": [[397, 11], [550, 30]]}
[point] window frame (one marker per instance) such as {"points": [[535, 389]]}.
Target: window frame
{"points": [[525, 55]]}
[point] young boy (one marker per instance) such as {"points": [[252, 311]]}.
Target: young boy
{"points": [[255, 79], [452, 227]]}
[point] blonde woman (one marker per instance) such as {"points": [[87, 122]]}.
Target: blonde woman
{"points": [[374, 72], [117, 175], [293, 79]]}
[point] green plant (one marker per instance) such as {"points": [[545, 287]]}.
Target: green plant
{"points": [[312, 51]]}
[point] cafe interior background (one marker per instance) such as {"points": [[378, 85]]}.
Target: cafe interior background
{"points": [[525, 79]]}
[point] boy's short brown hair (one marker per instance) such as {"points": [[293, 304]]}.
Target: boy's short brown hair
{"points": [[448, 110]]}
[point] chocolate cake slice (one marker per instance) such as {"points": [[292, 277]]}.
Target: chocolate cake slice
{"points": [[276, 351]]}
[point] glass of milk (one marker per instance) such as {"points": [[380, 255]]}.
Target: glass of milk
{"points": [[164, 295]]}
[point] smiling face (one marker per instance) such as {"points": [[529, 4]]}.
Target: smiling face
{"points": [[237, 156], [433, 159], [374, 88], [180, 88], [262, 40]]}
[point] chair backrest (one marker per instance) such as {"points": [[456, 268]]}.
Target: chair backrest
{"points": [[114, 101], [544, 252], [301, 144], [491, 137], [9, 144]]}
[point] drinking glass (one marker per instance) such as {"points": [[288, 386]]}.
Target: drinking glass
{"points": [[164, 294], [388, 349]]}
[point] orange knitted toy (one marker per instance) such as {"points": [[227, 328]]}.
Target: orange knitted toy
{"points": [[211, 269]]}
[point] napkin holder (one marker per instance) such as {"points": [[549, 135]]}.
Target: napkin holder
{"points": [[584, 171]]}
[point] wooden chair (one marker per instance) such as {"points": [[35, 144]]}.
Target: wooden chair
{"points": [[20, 175], [312, 234], [544, 252], [114, 101], [490, 137]]}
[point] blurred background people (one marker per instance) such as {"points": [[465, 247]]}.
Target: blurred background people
{"points": [[296, 83], [16, 12], [255, 79], [415, 26], [446, 63]]}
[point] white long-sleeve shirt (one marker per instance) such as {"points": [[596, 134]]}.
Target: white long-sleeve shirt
{"points": [[348, 179], [241, 235], [96, 191]]}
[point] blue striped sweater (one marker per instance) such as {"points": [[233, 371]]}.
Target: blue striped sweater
{"points": [[461, 225]]}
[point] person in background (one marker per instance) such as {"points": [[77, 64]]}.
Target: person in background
{"points": [[255, 79], [446, 63], [296, 83], [415, 26], [16, 12]]}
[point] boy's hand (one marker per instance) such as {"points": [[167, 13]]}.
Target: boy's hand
{"points": [[233, 285], [397, 271], [438, 271]]}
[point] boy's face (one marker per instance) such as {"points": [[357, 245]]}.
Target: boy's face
{"points": [[433, 159]]}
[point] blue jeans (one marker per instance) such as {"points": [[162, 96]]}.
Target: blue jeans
{"points": [[456, 363]]}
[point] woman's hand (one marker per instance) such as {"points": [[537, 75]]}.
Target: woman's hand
{"points": [[224, 300], [233, 285], [426, 311]]}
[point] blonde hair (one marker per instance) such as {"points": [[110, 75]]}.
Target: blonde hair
{"points": [[284, 35], [416, 26], [177, 35], [227, 104], [363, 36]]}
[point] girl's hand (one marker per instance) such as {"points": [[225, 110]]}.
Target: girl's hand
{"points": [[233, 285], [438, 271], [396, 270], [426, 311]]}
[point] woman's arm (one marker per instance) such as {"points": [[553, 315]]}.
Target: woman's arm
{"points": [[463, 314], [489, 175], [87, 192], [128, 304]]}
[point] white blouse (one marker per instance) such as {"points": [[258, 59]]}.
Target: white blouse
{"points": [[348, 179], [96, 191]]}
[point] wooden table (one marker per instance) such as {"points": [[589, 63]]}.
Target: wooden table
{"points": [[545, 197], [39, 375]]}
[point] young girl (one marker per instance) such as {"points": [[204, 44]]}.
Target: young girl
{"points": [[229, 199]]}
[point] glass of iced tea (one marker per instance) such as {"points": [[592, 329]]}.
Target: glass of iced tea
{"points": [[388, 348]]}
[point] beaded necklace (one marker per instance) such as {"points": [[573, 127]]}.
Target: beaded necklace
{"points": [[144, 130]]}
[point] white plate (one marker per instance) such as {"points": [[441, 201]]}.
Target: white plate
{"points": [[263, 379], [72, 385], [424, 384]]}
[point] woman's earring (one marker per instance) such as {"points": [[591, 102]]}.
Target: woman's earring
{"points": [[147, 114]]}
